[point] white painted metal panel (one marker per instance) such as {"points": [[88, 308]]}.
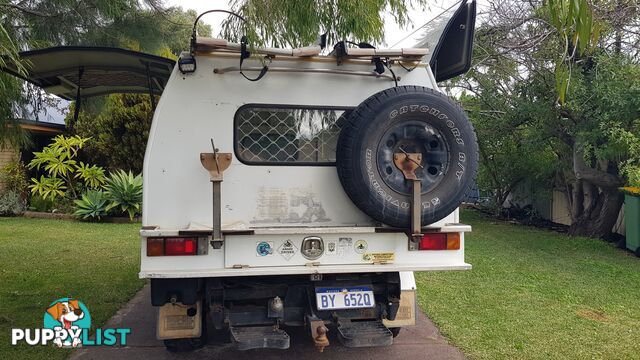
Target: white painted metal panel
{"points": [[199, 107]]}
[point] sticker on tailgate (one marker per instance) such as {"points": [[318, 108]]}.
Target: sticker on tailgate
{"points": [[381, 258]]}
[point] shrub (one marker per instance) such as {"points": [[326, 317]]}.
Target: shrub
{"points": [[66, 177], [125, 192], [93, 205], [38, 203], [11, 203], [14, 177], [119, 132]]}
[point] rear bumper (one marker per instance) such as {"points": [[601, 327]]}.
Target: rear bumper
{"points": [[297, 270], [346, 250]]}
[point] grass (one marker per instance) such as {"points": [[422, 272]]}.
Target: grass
{"points": [[43, 260], [536, 294]]}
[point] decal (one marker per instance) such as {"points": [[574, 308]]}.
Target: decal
{"points": [[332, 248], [381, 258], [288, 206], [361, 246], [264, 248], [345, 245], [287, 250]]}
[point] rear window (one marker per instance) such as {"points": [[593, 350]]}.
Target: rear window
{"points": [[287, 134]]}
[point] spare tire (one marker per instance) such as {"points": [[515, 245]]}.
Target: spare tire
{"points": [[412, 119]]}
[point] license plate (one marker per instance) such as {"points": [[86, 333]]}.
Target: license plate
{"points": [[350, 297]]}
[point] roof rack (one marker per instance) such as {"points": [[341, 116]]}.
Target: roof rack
{"points": [[207, 44]]}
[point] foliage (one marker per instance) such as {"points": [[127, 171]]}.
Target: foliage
{"points": [[92, 175], [11, 203], [125, 192], [627, 142], [37, 203], [298, 23], [93, 205], [48, 187], [13, 176], [64, 174], [573, 20], [119, 130], [526, 134], [631, 190]]}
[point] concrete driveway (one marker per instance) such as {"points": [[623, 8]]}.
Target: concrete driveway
{"points": [[422, 341]]}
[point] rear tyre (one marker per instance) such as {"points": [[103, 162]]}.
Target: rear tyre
{"points": [[408, 119]]}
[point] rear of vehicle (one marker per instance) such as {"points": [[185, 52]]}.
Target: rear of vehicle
{"points": [[288, 201], [307, 197]]}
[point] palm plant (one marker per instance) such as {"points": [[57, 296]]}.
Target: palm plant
{"points": [[125, 192], [92, 205]]}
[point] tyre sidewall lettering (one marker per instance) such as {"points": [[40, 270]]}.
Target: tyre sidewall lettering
{"points": [[438, 118], [362, 168]]}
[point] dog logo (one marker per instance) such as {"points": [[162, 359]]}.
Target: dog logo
{"points": [[67, 317]]}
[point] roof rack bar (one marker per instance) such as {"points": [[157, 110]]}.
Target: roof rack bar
{"points": [[308, 70]]}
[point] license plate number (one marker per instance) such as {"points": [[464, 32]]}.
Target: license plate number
{"points": [[350, 297]]}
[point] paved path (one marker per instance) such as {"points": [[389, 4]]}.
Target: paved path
{"points": [[422, 341]]}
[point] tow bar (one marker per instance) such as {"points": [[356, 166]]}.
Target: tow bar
{"points": [[408, 163], [216, 163]]}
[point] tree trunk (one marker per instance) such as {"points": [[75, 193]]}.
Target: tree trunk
{"points": [[597, 201], [603, 216]]}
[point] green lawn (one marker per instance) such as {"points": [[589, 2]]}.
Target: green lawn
{"points": [[43, 260], [536, 294]]}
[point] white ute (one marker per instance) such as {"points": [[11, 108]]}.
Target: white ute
{"points": [[283, 187]]}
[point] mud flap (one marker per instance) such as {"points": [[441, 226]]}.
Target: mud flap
{"points": [[406, 315], [179, 321]]}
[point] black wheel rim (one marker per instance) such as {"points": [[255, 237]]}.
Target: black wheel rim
{"points": [[413, 137]]}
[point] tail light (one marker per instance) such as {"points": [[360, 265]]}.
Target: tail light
{"points": [[172, 246], [440, 241]]}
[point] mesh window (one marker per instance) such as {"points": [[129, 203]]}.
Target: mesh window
{"points": [[287, 134]]}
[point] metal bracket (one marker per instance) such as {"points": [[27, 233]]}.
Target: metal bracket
{"points": [[408, 163], [216, 163]]}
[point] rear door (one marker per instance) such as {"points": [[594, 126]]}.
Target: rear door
{"points": [[73, 72]]}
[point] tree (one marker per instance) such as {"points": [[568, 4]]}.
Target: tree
{"points": [[119, 130], [568, 117], [283, 23], [139, 25]]}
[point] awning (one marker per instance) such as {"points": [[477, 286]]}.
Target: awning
{"points": [[96, 70]]}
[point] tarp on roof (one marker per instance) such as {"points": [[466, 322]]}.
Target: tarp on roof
{"points": [[96, 70]]}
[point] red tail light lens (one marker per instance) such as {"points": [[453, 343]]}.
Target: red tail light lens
{"points": [[180, 246], [433, 242], [172, 246], [440, 241]]}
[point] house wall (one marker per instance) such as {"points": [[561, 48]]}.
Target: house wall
{"points": [[7, 155]]}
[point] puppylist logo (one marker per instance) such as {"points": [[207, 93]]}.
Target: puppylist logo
{"points": [[66, 324]]}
